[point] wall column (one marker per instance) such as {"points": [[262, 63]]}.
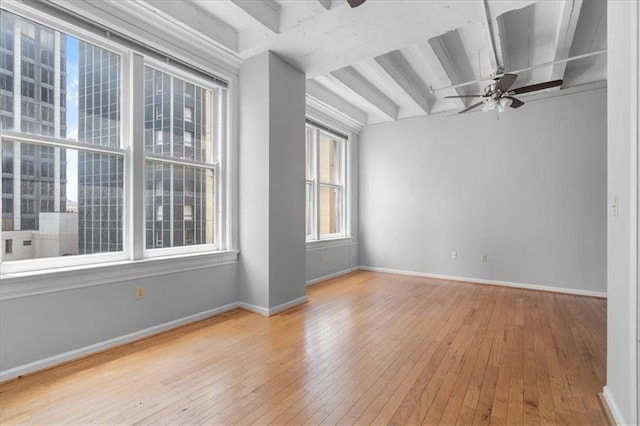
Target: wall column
{"points": [[272, 270], [621, 391]]}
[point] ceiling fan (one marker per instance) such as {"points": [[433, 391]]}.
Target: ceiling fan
{"points": [[500, 95], [355, 3]]}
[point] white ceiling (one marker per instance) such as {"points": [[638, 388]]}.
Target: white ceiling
{"points": [[388, 60]]}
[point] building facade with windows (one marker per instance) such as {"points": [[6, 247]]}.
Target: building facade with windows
{"points": [[32, 101], [100, 176], [178, 123]]}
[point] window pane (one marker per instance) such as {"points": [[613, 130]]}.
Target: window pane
{"points": [[309, 210], [189, 132], [309, 153], [329, 161], [181, 212], [61, 214], [67, 88], [330, 210], [100, 202]]}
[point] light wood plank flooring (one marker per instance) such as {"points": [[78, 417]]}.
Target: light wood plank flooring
{"points": [[368, 348]]}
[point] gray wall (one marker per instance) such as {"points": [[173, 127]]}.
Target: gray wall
{"points": [[529, 190], [254, 181], [286, 183], [622, 278], [91, 307], [324, 262]]}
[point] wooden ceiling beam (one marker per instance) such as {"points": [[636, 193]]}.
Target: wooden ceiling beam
{"points": [[569, 12], [398, 68], [335, 103], [265, 12], [352, 79]]}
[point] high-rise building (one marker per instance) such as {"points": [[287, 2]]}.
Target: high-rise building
{"points": [[178, 125], [100, 176], [32, 100]]}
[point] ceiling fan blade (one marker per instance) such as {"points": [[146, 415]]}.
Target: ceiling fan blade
{"points": [[469, 108], [355, 3], [534, 87], [467, 96], [515, 103], [505, 82]]}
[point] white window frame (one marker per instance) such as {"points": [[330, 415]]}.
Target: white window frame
{"points": [[133, 247], [222, 99], [314, 182]]}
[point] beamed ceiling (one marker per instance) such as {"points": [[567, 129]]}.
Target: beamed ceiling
{"points": [[387, 60]]}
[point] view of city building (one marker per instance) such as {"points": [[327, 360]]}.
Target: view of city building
{"points": [[38, 217], [100, 176], [33, 95], [178, 125]]}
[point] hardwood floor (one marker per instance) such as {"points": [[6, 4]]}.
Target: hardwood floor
{"points": [[368, 348]]}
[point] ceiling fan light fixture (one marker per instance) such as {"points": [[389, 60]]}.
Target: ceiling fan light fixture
{"points": [[355, 3], [489, 105], [504, 104]]}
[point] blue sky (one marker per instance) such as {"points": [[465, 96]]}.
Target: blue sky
{"points": [[72, 117]]}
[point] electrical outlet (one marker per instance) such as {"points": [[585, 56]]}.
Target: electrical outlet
{"points": [[140, 292], [484, 257], [454, 254]]}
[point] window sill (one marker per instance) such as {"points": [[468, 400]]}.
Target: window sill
{"points": [[313, 245], [23, 284]]}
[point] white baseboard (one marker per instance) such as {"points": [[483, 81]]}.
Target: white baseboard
{"points": [[32, 367], [334, 275], [267, 312], [287, 305], [613, 407], [490, 282], [254, 308]]}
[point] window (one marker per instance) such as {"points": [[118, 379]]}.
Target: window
{"points": [[325, 183], [188, 176], [188, 139], [80, 186], [8, 246], [158, 186], [188, 213]]}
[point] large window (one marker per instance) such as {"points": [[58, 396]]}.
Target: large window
{"points": [[325, 183], [67, 162], [180, 148]]}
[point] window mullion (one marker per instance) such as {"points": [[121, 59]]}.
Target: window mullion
{"points": [[134, 179], [316, 186], [346, 230], [332, 185], [222, 234], [171, 203]]}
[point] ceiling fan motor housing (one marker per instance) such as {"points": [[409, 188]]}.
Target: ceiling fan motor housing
{"points": [[490, 90]]}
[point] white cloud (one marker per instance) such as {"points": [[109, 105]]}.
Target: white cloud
{"points": [[72, 91], [73, 134]]}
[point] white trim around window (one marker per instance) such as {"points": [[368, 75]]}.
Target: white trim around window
{"points": [[133, 158], [326, 168]]}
